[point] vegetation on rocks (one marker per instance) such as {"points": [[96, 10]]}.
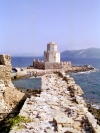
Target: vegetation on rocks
{"points": [[11, 119], [17, 121], [12, 122]]}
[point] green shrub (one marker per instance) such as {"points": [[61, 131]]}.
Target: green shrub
{"points": [[17, 121]]}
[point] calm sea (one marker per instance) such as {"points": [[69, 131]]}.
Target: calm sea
{"points": [[89, 81]]}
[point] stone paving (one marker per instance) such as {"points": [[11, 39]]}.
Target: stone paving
{"points": [[58, 109]]}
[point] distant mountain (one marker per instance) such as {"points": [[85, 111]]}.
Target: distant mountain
{"points": [[27, 55], [83, 53]]}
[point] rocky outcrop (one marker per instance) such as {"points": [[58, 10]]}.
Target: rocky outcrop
{"points": [[58, 109]]}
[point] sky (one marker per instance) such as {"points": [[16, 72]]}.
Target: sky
{"points": [[26, 26]]}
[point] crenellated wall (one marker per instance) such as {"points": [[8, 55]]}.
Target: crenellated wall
{"points": [[51, 65], [39, 64]]}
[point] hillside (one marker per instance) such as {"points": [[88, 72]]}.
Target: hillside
{"points": [[83, 53], [27, 55]]}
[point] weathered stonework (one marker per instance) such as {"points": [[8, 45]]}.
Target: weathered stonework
{"points": [[51, 59], [51, 65], [2, 90], [5, 69], [59, 108], [39, 64], [5, 79], [52, 54], [59, 65], [8, 94]]}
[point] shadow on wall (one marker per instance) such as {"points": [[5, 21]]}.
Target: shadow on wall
{"points": [[5, 126], [11, 119], [1, 63]]}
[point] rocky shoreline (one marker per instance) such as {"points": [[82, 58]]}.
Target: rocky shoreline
{"points": [[59, 108], [95, 112], [21, 72]]}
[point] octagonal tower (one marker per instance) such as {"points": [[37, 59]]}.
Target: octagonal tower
{"points": [[52, 54]]}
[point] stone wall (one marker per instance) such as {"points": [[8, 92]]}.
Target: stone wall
{"points": [[5, 79], [5, 69], [66, 65], [55, 65], [60, 65], [9, 96], [51, 65], [50, 56], [59, 108], [39, 64]]}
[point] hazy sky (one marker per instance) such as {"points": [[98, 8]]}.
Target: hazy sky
{"points": [[26, 26]]}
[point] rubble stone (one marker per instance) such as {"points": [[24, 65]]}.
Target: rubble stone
{"points": [[55, 111]]}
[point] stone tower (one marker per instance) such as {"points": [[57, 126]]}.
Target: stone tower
{"points": [[52, 54]]}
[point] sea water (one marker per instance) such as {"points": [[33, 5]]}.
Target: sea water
{"points": [[89, 81]]}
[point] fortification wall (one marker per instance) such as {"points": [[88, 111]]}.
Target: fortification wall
{"points": [[66, 65], [5, 79], [51, 65], [9, 96], [5, 69], [55, 65], [39, 64]]}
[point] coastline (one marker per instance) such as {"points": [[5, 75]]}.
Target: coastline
{"points": [[21, 72], [61, 104], [62, 108]]}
